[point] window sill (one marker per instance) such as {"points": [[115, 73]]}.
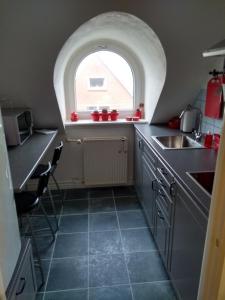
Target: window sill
{"points": [[102, 123]]}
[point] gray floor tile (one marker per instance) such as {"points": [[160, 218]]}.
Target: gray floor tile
{"points": [[122, 292], [145, 267], [73, 194], [137, 240], [39, 222], [108, 242], [101, 205], [74, 223], [67, 295], [39, 296], [75, 207], [69, 245], [48, 208], [127, 203], [124, 191], [45, 246], [68, 273], [106, 270], [153, 291], [100, 192], [103, 221], [45, 266], [132, 219]]}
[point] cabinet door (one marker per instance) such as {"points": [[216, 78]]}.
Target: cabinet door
{"points": [[161, 233], [23, 283], [188, 245], [138, 165], [148, 195]]}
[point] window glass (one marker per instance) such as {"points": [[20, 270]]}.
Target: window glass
{"points": [[103, 79]]}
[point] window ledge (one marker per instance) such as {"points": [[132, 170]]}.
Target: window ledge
{"points": [[102, 123]]}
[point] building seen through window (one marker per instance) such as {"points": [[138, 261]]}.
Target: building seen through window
{"points": [[104, 79]]}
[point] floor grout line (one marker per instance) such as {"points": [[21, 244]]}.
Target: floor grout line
{"points": [[131, 290], [88, 232], [108, 286]]}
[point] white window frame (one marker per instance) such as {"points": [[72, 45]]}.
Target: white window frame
{"points": [[95, 46]]}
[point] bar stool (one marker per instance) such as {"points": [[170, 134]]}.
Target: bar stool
{"points": [[39, 170], [27, 201]]}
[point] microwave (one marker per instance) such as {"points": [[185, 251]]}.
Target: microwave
{"points": [[17, 124]]}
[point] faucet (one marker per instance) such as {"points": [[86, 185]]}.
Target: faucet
{"points": [[198, 132]]}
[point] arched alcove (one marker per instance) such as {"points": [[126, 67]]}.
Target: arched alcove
{"points": [[124, 34]]}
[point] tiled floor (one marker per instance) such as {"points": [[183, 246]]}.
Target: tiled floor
{"points": [[103, 250]]}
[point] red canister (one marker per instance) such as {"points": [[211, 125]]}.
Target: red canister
{"points": [[208, 140], [95, 115]]}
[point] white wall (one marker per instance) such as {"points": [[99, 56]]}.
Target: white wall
{"points": [[33, 32], [69, 172]]}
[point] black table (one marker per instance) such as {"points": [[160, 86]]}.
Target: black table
{"points": [[24, 158]]}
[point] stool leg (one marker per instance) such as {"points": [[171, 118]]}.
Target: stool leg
{"points": [[47, 220], [36, 249], [53, 208], [57, 186]]}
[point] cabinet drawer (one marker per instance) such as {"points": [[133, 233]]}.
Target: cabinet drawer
{"points": [[150, 156], [162, 233], [166, 204], [23, 283], [166, 179]]}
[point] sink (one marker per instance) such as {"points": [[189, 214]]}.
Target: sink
{"points": [[204, 179], [177, 142]]}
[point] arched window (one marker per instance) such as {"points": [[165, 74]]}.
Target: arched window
{"points": [[132, 46], [104, 79]]}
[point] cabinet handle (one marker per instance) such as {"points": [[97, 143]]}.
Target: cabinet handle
{"points": [[23, 284], [161, 193], [159, 213], [161, 182], [153, 185], [172, 192], [162, 170], [140, 144]]}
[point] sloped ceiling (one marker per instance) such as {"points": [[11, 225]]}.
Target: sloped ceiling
{"points": [[33, 32]]}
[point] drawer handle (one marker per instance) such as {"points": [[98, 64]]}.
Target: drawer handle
{"points": [[159, 213], [161, 193], [172, 192], [140, 144], [162, 170], [153, 188], [161, 183], [23, 284]]}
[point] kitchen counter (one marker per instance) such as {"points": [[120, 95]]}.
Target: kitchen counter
{"points": [[182, 161]]}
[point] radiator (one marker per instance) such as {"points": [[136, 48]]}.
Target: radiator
{"points": [[105, 161]]}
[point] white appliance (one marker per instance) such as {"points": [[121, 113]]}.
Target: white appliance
{"points": [[188, 119], [17, 124], [10, 243]]}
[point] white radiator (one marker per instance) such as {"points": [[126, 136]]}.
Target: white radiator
{"points": [[105, 161]]}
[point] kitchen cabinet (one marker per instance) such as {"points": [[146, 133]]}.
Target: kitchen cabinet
{"points": [[189, 231], [148, 192], [23, 283], [178, 224]]}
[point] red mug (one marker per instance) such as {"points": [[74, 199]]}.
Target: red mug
{"points": [[74, 116]]}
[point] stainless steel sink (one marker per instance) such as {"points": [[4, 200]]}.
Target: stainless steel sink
{"points": [[204, 179], [177, 142]]}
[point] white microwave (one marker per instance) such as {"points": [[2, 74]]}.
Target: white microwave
{"points": [[17, 124]]}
